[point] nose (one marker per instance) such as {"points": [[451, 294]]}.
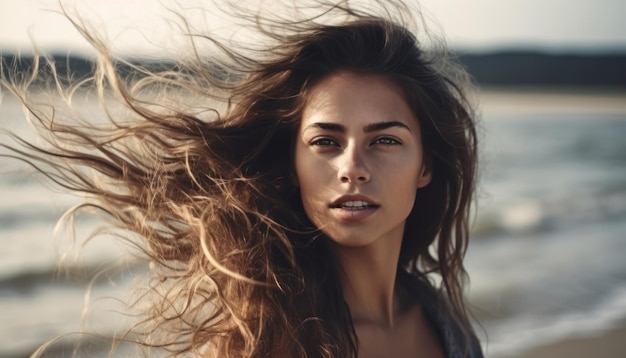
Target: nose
{"points": [[352, 167]]}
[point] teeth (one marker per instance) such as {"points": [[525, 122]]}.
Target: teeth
{"points": [[354, 204]]}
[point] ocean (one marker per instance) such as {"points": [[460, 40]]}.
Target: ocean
{"points": [[546, 261]]}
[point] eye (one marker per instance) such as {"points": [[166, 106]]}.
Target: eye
{"points": [[386, 141], [323, 142]]}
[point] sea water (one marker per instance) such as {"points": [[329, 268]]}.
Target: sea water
{"points": [[548, 255], [546, 260]]}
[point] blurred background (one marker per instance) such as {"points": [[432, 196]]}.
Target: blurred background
{"points": [[547, 261]]}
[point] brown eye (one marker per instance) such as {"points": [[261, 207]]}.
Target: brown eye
{"points": [[323, 142], [386, 141]]}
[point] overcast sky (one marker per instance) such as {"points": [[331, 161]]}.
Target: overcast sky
{"points": [[554, 25]]}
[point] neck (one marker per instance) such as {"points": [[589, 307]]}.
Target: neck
{"points": [[368, 276]]}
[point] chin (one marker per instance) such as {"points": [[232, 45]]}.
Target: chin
{"points": [[350, 240]]}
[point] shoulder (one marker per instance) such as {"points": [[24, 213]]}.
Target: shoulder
{"points": [[458, 341]]}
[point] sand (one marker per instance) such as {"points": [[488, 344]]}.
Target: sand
{"points": [[610, 344]]}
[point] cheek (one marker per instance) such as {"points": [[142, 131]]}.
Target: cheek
{"points": [[402, 183], [404, 169], [307, 179], [302, 170], [311, 202]]}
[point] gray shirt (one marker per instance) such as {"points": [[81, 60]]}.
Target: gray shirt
{"points": [[457, 341]]}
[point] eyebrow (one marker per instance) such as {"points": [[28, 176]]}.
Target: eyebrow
{"points": [[372, 127], [379, 126]]}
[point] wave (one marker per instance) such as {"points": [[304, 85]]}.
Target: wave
{"points": [[538, 215], [28, 281], [16, 219]]}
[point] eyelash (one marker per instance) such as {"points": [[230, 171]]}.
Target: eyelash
{"points": [[328, 141], [324, 142], [387, 141]]}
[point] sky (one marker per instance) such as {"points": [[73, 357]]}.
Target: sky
{"points": [[480, 25]]}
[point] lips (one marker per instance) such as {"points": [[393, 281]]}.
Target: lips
{"points": [[353, 201], [353, 207]]}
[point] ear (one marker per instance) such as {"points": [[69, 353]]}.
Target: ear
{"points": [[424, 177]]}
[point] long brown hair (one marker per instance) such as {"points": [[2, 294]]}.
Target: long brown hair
{"points": [[210, 189]]}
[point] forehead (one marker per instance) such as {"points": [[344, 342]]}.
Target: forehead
{"points": [[348, 97]]}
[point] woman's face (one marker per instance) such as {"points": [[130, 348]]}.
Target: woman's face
{"points": [[358, 158]]}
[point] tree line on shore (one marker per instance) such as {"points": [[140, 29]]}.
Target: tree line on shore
{"points": [[503, 68]]}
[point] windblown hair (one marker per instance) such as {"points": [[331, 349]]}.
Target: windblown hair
{"points": [[210, 192]]}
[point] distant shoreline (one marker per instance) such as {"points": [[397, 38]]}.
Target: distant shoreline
{"points": [[538, 99], [498, 67], [563, 100]]}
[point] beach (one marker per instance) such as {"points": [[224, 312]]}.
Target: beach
{"points": [[556, 100], [553, 211], [545, 261], [609, 344]]}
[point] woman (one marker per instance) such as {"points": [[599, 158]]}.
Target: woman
{"points": [[310, 216]]}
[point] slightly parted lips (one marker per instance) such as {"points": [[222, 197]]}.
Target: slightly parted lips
{"points": [[353, 202]]}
